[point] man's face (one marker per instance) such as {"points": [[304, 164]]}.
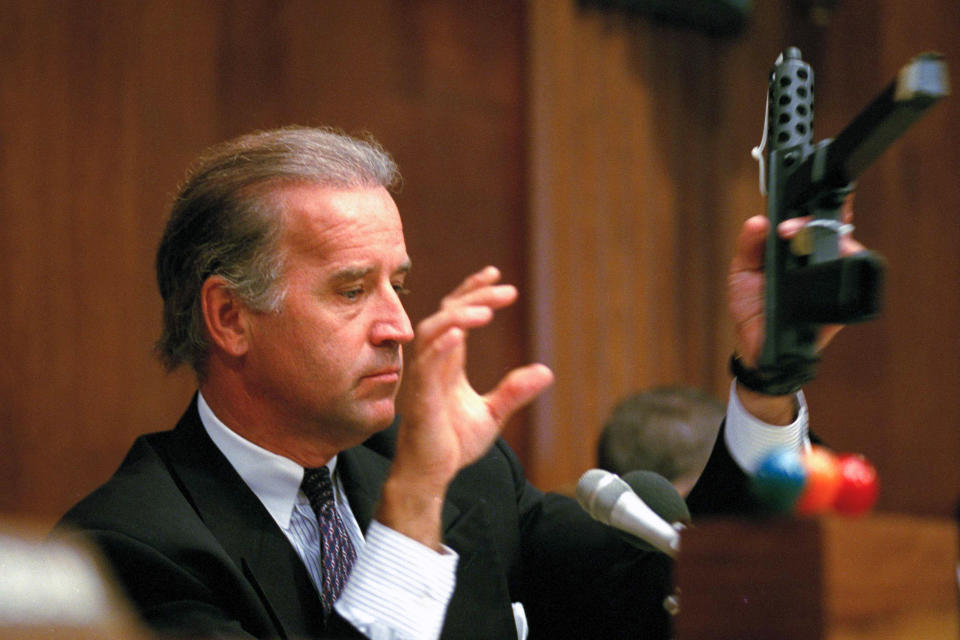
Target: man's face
{"points": [[329, 361]]}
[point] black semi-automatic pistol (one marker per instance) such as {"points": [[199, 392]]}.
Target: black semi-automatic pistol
{"points": [[808, 283]]}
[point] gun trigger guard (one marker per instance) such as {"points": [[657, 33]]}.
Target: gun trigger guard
{"points": [[839, 228]]}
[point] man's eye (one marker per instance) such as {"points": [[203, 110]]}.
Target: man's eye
{"points": [[352, 294], [400, 289]]}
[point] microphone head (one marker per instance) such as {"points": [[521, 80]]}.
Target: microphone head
{"points": [[597, 492], [659, 494]]}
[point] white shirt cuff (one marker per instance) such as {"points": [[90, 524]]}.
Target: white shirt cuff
{"points": [[750, 441], [398, 588]]}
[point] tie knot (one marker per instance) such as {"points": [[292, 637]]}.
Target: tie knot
{"points": [[317, 486]]}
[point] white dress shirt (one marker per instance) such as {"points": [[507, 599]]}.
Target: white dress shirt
{"points": [[399, 588], [749, 441]]}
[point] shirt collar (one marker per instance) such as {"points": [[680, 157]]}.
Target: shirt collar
{"points": [[273, 478]]}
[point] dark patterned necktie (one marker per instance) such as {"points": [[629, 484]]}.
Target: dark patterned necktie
{"points": [[336, 549]]}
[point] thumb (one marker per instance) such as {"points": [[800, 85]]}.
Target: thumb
{"points": [[517, 389], [751, 243]]}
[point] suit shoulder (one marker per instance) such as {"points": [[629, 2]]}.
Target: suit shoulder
{"points": [[140, 495]]}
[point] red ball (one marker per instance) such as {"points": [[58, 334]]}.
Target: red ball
{"points": [[823, 481], [859, 486]]}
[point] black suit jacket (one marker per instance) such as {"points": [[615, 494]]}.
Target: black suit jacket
{"points": [[199, 555]]}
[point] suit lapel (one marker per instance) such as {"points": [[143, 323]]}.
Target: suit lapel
{"points": [[250, 536], [362, 472], [244, 528]]}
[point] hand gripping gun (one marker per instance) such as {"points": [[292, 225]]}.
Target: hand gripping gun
{"points": [[808, 283]]}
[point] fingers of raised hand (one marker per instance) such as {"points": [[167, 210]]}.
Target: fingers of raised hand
{"points": [[517, 389], [492, 296], [462, 317], [485, 277], [848, 245], [827, 333], [470, 305], [481, 288], [434, 370]]}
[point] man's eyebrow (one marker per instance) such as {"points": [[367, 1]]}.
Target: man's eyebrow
{"points": [[351, 273], [404, 267]]}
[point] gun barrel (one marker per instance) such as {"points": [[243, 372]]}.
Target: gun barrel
{"points": [[919, 84]]}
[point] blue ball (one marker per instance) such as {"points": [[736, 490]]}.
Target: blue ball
{"points": [[780, 479]]}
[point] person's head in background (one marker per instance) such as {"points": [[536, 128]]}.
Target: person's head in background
{"points": [[669, 430]]}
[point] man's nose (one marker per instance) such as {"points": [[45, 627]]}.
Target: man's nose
{"points": [[392, 324]]}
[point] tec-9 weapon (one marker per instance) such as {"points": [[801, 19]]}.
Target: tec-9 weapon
{"points": [[808, 284]]}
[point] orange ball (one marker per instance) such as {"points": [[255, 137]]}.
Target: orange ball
{"points": [[823, 481]]}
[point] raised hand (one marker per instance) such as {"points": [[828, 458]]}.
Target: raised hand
{"points": [[745, 284], [745, 292], [446, 424]]}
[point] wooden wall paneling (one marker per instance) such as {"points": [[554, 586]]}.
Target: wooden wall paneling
{"points": [[440, 86], [646, 221], [886, 387], [101, 109], [103, 106], [605, 190], [81, 296], [922, 178]]}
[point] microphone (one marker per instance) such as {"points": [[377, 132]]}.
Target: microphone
{"points": [[617, 503], [660, 495]]}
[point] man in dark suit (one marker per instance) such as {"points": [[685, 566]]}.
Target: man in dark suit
{"points": [[290, 501]]}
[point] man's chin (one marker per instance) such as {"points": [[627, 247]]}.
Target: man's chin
{"points": [[381, 416], [385, 423]]}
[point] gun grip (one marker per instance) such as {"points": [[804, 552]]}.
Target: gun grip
{"points": [[840, 291]]}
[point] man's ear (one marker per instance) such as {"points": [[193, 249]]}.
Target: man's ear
{"points": [[225, 316]]}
